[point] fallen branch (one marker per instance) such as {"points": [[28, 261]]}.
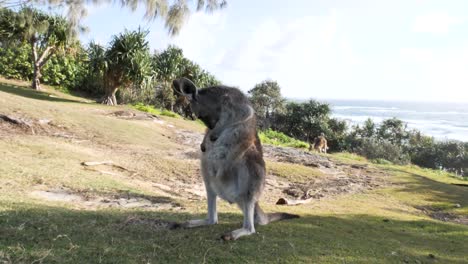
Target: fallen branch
{"points": [[13, 120], [17, 121], [95, 163], [285, 201], [109, 163]]}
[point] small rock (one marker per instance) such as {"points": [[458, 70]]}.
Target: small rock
{"points": [[457, 206], [44, 121]]}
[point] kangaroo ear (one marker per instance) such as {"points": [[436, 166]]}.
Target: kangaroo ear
{"points": [[186, 87]]}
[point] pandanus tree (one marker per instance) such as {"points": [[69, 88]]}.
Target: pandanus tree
{"points": [[168, 65], [46, 34], [171, 64], [127, 62]]}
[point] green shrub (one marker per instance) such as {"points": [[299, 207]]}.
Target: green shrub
{"points": [[63, 71], [279, 139], [381, 149], [15, 62], [154, 111]]}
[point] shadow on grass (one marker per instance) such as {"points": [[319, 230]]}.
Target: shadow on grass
{"points": [[58, 235], [30, 93], [436, 191]]}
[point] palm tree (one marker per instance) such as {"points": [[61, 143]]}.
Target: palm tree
{"points": [[127, 62], [173, 12], [47, 35]]}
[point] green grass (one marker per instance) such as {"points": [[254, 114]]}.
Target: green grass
{"points": [[275, 138], [380, 226], [348, 158], [58, 234], [154, 111], [381, 161]]}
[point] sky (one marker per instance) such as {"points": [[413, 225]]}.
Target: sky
{"points": [[412, 50]]}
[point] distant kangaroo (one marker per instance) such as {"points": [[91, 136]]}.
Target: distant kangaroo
{"points": [[320, 144], [232, 162]]}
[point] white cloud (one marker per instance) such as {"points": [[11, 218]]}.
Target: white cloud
{"points": [[198, 38], [297, 53], [317, 56], [427, 74], [418, 55], [436, 23]]}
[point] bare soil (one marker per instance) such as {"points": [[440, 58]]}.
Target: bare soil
{"points": [[120, 200], [339, 178], [438, 214], [20, 124]]}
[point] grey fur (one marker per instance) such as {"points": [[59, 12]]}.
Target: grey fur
{"points": [[232, 162]]}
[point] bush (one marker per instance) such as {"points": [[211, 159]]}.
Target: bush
{"points": [[15, 62], [279, 139], [381, 149], [62, 70], [144, 94]]}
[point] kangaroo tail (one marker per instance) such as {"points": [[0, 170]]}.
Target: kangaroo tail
{"points": [[262, 218]]}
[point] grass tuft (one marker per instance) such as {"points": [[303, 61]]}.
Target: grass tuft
{"points": [[154, 111]]}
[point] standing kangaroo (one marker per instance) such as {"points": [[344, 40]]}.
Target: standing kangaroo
{"points": [[232, 162], [320, 144]]}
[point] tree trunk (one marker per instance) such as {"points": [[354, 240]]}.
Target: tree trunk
{"points": [[109, 98], [36, 82], [38, 62]]}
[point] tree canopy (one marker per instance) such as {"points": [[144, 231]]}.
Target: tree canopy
{"points": [[174, 13], [46, 34], [266, 99]]}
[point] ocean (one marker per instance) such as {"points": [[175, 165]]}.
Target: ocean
{"points": [[441, 120]]}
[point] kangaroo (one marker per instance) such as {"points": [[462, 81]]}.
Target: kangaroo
{"points": [[320, 144], [232, 162]]}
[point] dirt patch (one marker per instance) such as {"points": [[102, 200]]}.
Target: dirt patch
{"points": [[332, 186], [193, 189], [189, 138], [296, 156], [18, 124], [339, 179], [134, 115], [121, 200], [440, 215], [191, 144], [57, 195]]}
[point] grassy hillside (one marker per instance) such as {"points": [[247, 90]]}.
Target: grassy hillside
{"points": [[54, 209]]}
